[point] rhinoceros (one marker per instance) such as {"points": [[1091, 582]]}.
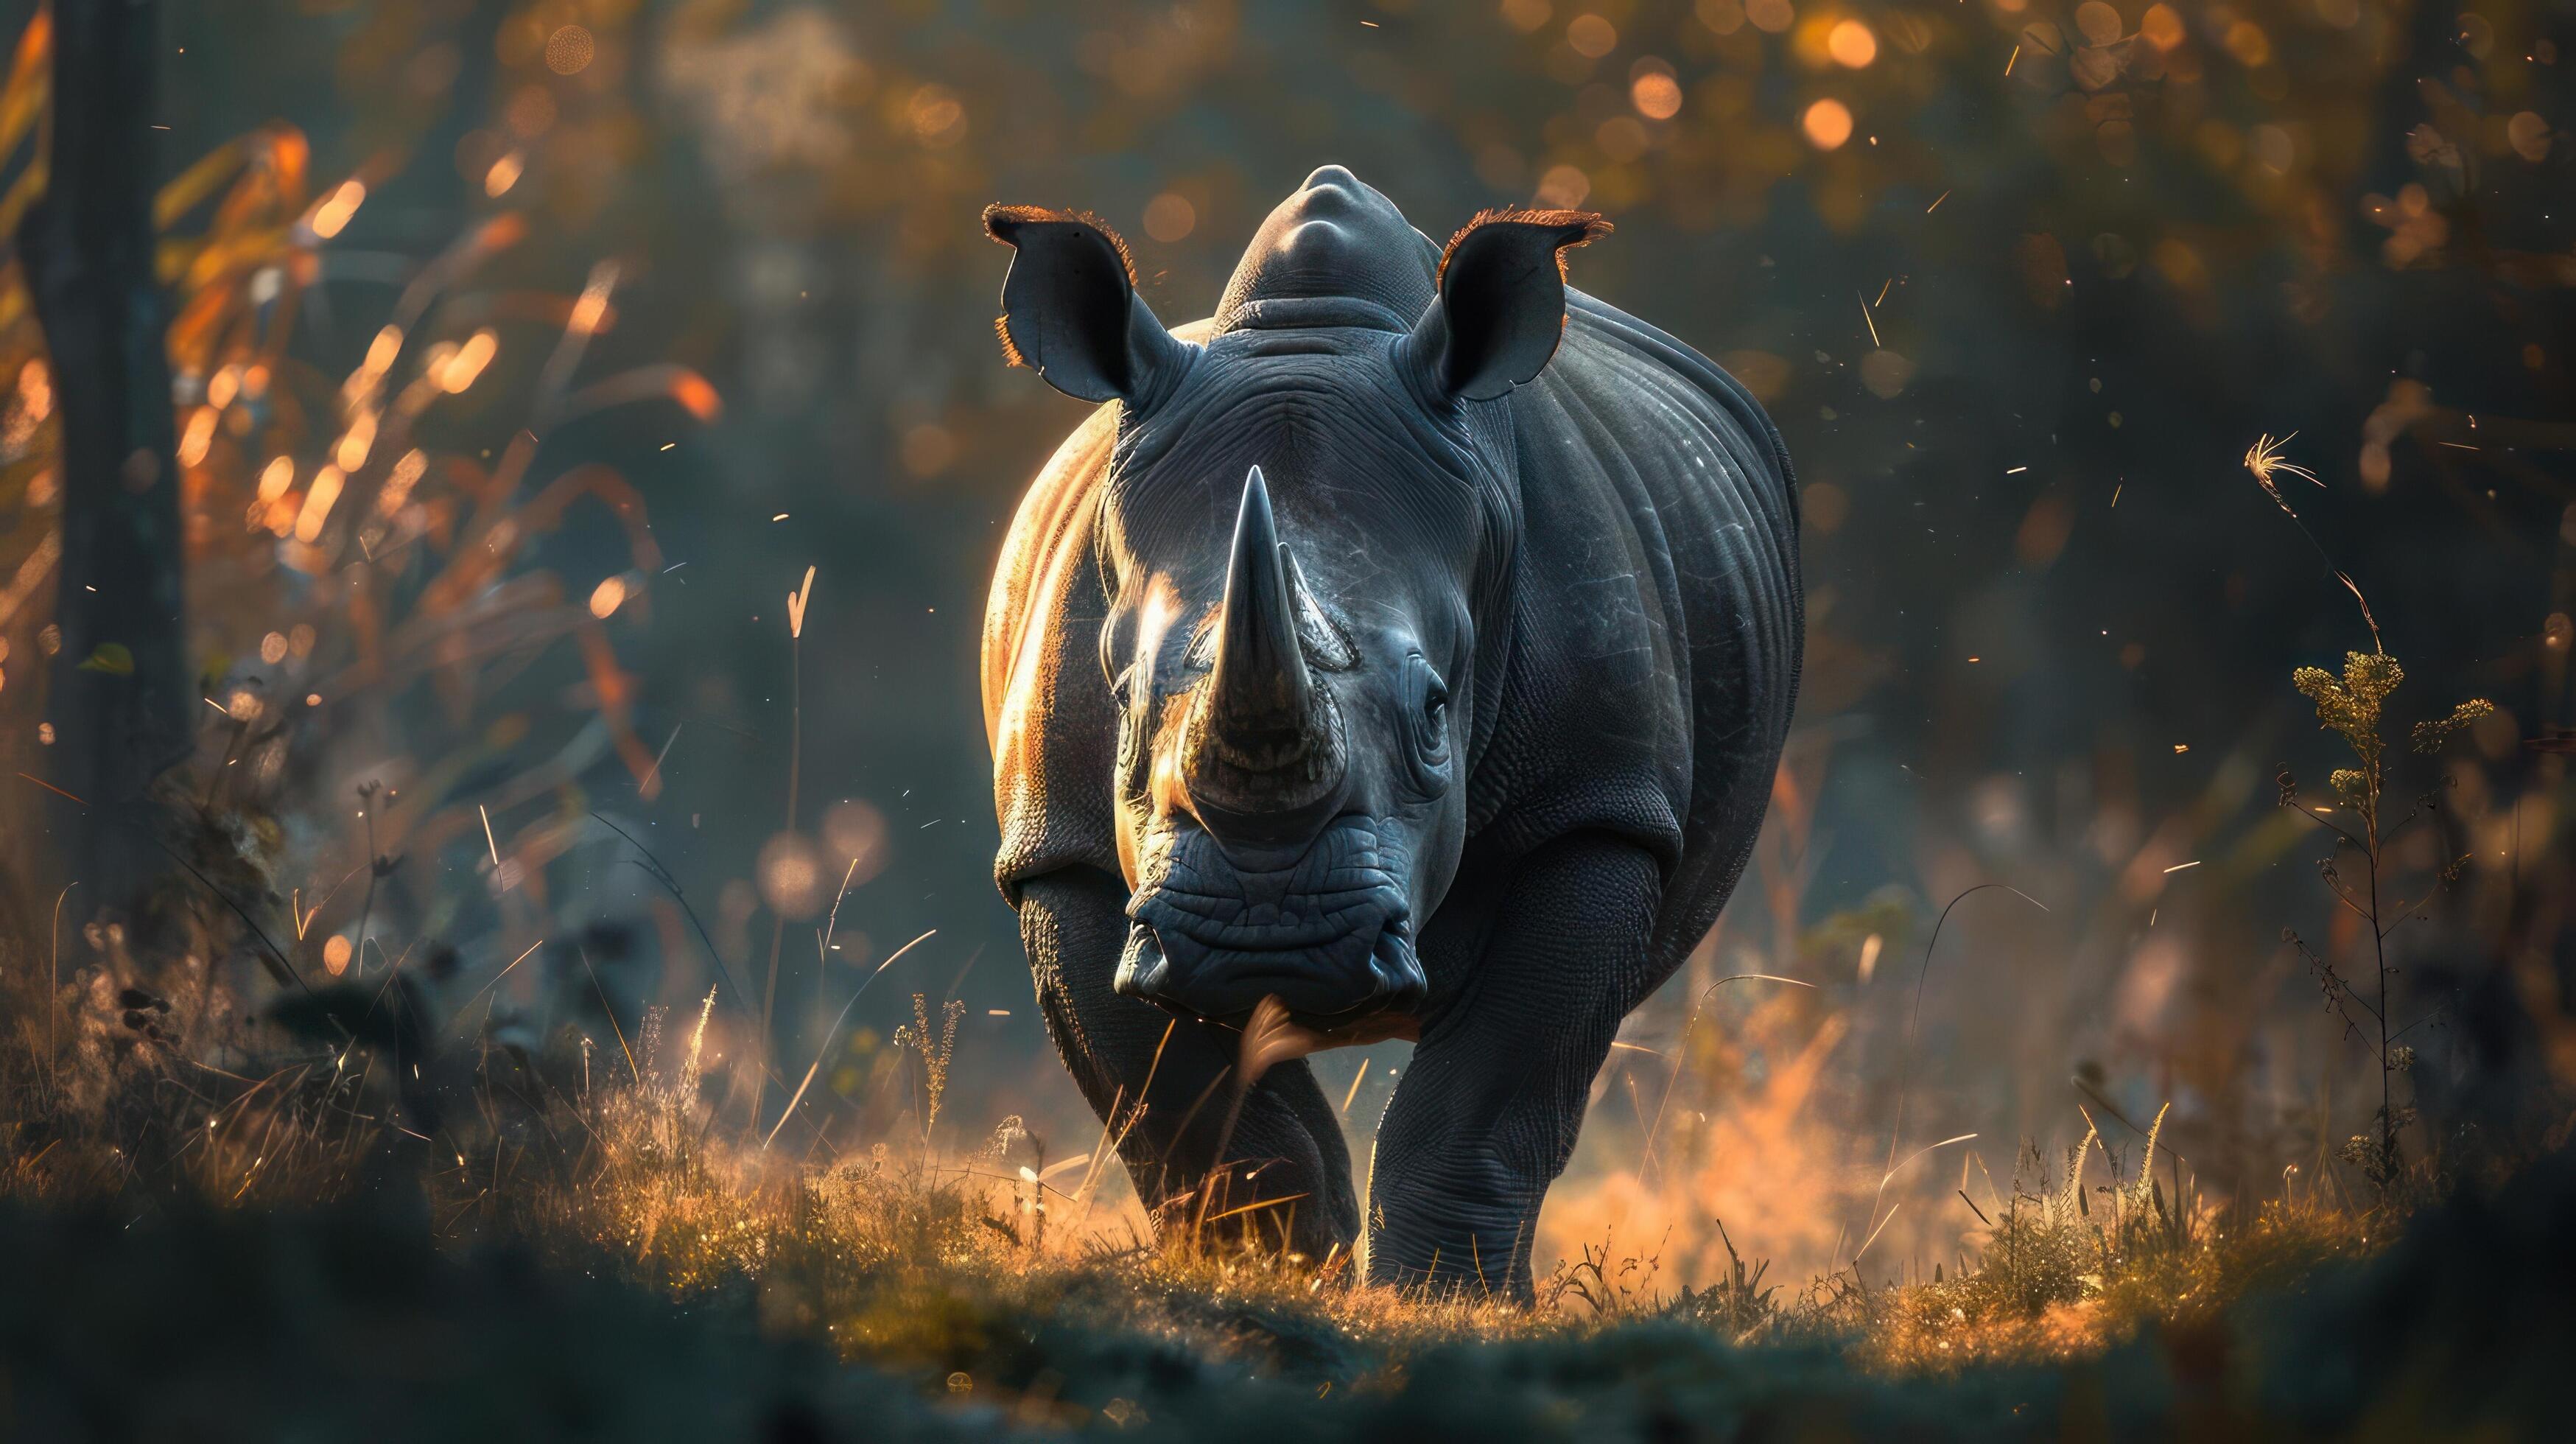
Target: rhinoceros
{"points": [[1403, 651]]}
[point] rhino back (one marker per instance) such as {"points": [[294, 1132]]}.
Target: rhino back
{"points": [[1658, 622]]}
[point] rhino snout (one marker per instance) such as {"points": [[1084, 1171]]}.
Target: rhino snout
{"points": [[1331, 936]]}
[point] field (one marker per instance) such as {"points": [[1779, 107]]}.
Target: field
{"points": [[211, 1257]]}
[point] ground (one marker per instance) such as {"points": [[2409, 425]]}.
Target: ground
{"points": [[881, 1302]]}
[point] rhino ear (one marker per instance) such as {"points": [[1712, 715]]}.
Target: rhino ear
{"points": [[1070, 310], [1501, 305]]}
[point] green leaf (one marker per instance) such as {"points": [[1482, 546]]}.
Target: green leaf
{"points": [[111, 658]]}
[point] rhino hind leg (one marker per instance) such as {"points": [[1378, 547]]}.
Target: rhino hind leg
{"points": [[1486, 1115], [1283, 1143]]}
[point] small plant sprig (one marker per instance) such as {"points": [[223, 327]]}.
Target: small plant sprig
{"points": [[935, 1055], [2350, 706], [1739, 1305]]}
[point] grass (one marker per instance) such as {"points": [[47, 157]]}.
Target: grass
{"points": [[686, 1279], [870, 1307]]}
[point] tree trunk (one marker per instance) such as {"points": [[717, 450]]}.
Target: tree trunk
{"points": [[119, 699]]}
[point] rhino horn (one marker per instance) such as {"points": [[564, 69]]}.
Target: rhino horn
{"points": [[1259, 684]]}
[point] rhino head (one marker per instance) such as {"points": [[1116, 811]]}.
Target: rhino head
{"points": [[1306, 533]]}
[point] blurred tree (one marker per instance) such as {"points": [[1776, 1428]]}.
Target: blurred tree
{"points": [[119, 701]]}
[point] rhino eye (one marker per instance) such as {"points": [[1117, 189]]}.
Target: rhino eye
{"points": [[1430, 699]]}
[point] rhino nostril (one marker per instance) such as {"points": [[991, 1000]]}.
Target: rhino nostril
{"points": [[1397, 968], [1143, 970]]}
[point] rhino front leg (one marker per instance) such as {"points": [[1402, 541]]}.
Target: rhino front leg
{"points": [[1489, 1107], [1285, 1142]]}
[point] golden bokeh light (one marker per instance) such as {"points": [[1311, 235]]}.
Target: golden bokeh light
{"points": [[382, 350], [2247, 42], [199, 436], [336, 954], [929, 449], [1827, 123], [936, 115], [318, 503], [570, 50], [607, 597], [1563, 187], [1170, 217], [854, 831], [791, 876], [356, 442], [1852, 44], [1591, 36], [332, 215], [1885, 373], [1656, 96], [2273, 148], [469, 361], [1722, 17], [2528, 134], [531, 112], [1621, 138]]}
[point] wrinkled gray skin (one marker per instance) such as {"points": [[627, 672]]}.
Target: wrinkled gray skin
{"points": [[1374, 650]]}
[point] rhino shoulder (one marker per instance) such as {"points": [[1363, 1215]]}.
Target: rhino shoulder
{"points": [[1658, 603], [1047, 712]]}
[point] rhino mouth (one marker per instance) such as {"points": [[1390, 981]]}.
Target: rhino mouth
{"points": [[1327, 985], [1332, 938]]}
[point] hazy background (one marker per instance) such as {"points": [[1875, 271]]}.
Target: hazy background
{"points": [[2020, 283]]}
